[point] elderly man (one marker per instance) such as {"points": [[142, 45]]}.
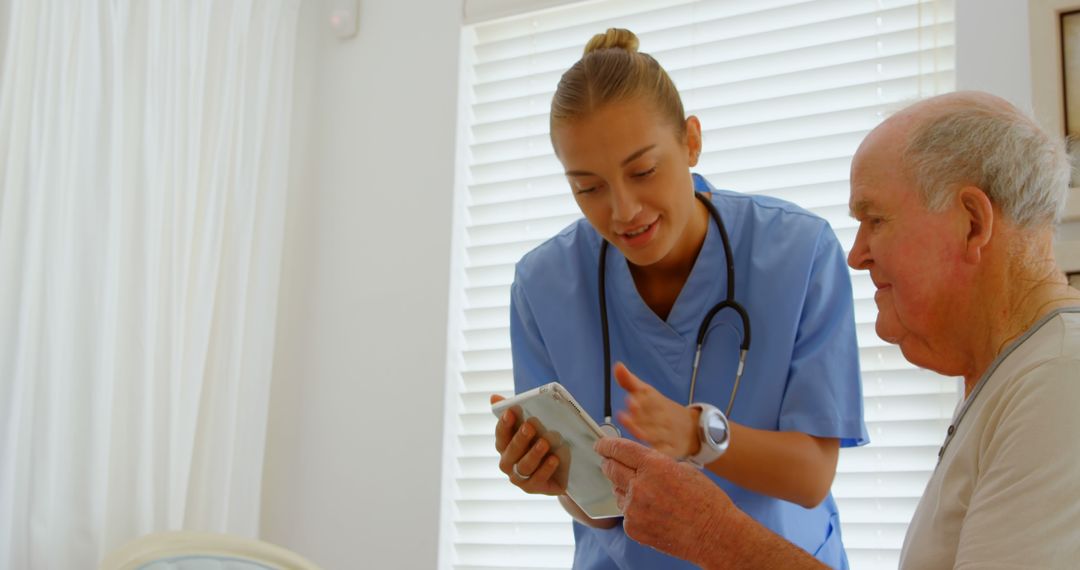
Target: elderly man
{"points": [[957, 198]]}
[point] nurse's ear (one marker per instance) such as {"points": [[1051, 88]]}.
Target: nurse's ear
{"points": [[692, 140]]}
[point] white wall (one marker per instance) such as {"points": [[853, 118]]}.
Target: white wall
{"points": [[5, 17], [993, 53], [353, 461]]}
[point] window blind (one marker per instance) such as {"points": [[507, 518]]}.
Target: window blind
{"points": [[785, 91]]}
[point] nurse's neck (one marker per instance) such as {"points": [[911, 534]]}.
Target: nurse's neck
{"points": [[659, 284]]}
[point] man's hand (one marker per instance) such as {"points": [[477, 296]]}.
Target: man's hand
{"points": [[667, 505], [676, 509]]}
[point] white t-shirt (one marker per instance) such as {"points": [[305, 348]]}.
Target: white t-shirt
{"points": [[1006, 492]]}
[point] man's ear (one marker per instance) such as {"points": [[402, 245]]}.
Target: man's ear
{"points": [[978, 214]]}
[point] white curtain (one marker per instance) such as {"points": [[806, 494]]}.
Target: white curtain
{"points": [[143, 154]]}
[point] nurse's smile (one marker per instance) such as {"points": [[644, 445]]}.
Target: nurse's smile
{"points": [[639, 237]]}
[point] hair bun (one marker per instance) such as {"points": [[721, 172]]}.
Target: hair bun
{"points": [[613, 38]]}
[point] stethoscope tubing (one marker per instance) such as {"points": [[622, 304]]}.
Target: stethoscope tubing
{"points": [[729, 302]]}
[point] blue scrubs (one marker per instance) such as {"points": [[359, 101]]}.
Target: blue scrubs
{"points": [[802, 371]]}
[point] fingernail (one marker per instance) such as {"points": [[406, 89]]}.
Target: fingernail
{"points": [[527, 430], [506, 417]]}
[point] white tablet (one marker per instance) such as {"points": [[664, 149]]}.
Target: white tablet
{"points": [[559, 419]]}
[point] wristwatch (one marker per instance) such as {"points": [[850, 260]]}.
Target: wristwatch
{"points": [[713, 433]]}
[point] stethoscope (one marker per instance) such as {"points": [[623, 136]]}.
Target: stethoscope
{"points": [[729, 302]]}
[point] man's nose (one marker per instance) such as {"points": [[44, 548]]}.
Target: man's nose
{"points": [[859, 256]]}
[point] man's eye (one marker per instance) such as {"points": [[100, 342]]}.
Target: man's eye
{"points": [[644, 173], [584, 190]]}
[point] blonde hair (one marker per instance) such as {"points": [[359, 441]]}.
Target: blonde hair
{"points": [[613, 70]]}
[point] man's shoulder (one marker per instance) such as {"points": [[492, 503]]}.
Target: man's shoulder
{"points": [[1039, 373], [1050, 351]]}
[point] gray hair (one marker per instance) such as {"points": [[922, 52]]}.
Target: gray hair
{"points": [[1023, 170]]}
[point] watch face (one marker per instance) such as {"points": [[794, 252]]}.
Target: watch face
{"points": [[717, 428]]}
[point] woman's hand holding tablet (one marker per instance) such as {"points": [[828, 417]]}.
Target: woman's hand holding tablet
{"points": [[545, 441]]}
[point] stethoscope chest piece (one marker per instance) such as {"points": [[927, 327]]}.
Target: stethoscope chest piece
{"points": [[610, 430]]}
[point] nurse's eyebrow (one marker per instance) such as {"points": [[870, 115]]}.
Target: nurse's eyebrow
{"points": [[627, 160], [636, 154]]}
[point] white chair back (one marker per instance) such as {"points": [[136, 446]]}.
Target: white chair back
{"points": [[182, 550]]}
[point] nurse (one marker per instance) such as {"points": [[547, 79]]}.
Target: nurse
{"points": [[619, 130]]}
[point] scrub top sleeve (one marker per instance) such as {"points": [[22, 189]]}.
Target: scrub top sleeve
{"points": [[824, 392], [532, 364]]}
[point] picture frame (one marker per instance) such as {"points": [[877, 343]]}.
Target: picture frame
{"points": [[1069, 23], [1054, 66]]}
